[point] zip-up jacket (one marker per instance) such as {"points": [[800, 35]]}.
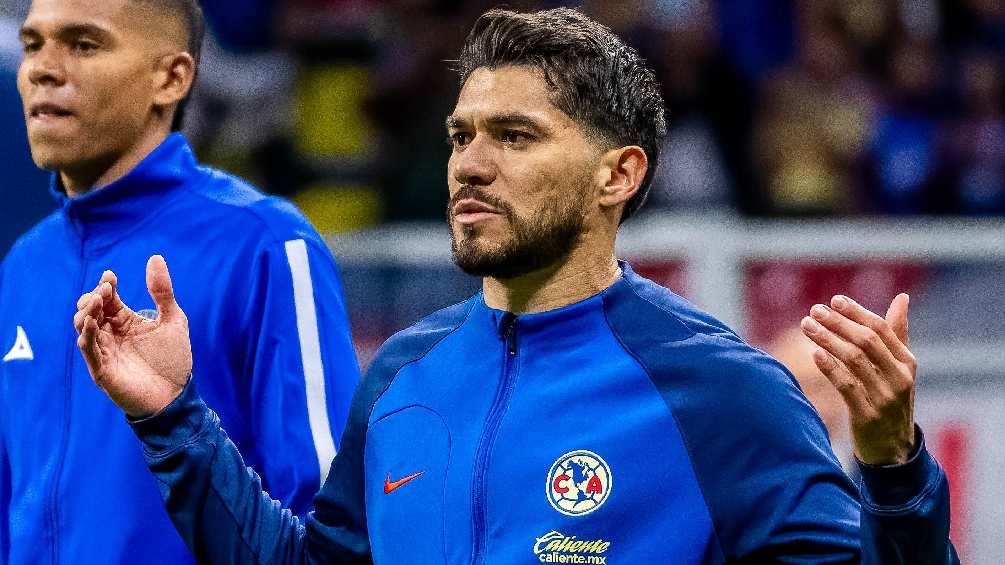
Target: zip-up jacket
{"points": [[270, 334], [626, 428]]}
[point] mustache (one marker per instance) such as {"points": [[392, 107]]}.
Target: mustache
{"points": [[470, 192]]}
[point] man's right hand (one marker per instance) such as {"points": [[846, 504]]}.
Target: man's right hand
{"points": [[141, 364]]}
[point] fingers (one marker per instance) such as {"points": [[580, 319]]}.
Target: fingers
{"points": [[89, 306], [160, 288], [87, 342], [881, 326], [853, 359], [78, 318], [850, 388], [110, 278], [896, 317], [862, 341], [866, 349], [109, 290]]}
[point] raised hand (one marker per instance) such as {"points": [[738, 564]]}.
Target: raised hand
{"points": [[141, 364], [866, 357]]}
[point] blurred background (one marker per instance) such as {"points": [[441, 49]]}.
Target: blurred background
{"points": [[815, 147]]}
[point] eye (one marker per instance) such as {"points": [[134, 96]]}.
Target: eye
{"points": [[31, 46], [515, 136], [84, 46], [459, 139]]}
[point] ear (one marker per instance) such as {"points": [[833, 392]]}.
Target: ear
{"points": [[623, 170], [174, 78]]}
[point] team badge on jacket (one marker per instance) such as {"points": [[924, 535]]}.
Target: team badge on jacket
{"points": [[578, 483], [21, 351]]}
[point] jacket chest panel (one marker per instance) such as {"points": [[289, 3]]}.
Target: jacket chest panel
{"points": [[587, 464]]}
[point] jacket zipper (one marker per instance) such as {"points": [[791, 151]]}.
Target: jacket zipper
{"points": [[496, 412], [64, 439]]}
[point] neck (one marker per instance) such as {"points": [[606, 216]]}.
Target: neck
{"points": [[585, 272], [79, 180]]}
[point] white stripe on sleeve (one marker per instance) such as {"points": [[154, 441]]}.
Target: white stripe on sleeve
{"points": [[310, 352]]}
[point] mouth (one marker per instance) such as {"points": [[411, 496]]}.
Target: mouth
{"points": [[470, 211], [48, 111]]}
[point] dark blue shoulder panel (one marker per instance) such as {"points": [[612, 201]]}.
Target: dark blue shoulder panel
{"points": [[771, 482], [340, 510]]}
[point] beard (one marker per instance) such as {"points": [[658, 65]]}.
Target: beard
{"points": [[546, 237]]}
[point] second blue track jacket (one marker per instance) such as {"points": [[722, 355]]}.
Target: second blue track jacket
{"points": [[264, 301]]}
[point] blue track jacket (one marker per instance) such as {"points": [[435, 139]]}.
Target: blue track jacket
{"points": [[626, 428], [270, 335]]}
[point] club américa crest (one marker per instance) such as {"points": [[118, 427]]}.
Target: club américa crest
{"points": [[579, 482]]}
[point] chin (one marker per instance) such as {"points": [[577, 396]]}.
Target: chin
{"points": [[47, 160], [50, 155]]}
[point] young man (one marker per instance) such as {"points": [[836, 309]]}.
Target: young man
{"points": [[102, 84], [572, 412]]}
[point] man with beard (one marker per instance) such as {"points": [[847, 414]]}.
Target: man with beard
{"points": [[571, 412]]}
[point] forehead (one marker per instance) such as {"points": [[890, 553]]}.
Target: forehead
{"points": [[111, 15], [508, 90]]}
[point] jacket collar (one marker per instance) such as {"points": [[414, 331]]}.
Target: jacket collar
{"points": [[113, 210], [568, 318]]}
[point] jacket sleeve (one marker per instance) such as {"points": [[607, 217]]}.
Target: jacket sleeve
{"points": [[218, 504], [301, 368], [806, 511], [905, 512]]}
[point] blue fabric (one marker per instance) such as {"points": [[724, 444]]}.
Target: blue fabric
{"points": [[757, 35], [626, 427], [905, 153], [901, 499], [77, 490], [242, 25]]}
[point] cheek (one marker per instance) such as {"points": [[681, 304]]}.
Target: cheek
{"points": [[118, 90], [536, 185]]}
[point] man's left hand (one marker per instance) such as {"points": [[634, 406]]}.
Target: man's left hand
{"points": [[866, 357]]}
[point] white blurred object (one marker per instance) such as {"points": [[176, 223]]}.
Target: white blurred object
{"points": [[920, 17], [675, 13], [254, 91], [691, 172], [10, 45], [16, 9]]}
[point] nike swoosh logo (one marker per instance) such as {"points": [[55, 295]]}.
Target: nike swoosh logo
{"points": [[391, 486]]}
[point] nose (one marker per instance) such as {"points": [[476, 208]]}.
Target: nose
{"points": [[45, 67], [474, 166]]}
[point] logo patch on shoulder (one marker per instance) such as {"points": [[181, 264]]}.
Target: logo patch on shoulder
{"points": [[21, 350], [579, 482]]}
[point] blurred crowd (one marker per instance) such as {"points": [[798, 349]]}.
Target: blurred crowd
{"points": [[778, 107]]}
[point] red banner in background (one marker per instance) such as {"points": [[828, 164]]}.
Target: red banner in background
{"points": [[778, 294], [951, 446]]}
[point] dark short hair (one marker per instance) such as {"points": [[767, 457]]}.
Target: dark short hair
{"points": [[597, 80], [191, 15]]}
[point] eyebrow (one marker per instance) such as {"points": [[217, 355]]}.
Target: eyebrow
{"points": [[68, 30], [505, 119]]}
